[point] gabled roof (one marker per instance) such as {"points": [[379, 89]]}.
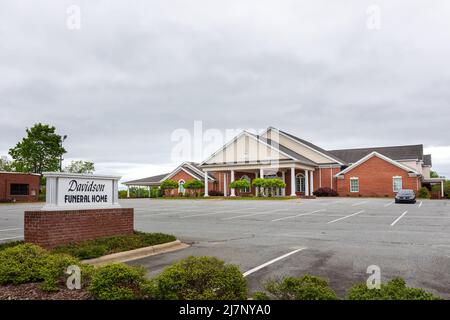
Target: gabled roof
{"points": [[408, 152], [290, 152], [310, 145], [379, 155]]}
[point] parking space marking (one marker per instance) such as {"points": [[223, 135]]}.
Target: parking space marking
{"points": [[359, 203], [254, 214], [420, 204], [298, 215], [214, 213], [388, 204], [350, 215], [249, 272], [12, 229], [398, 219], [3, 239]]}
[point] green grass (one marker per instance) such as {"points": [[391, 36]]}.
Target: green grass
{"points": [[103, 246]]}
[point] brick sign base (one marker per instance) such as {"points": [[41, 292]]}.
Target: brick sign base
{"points": [[50, 229]]}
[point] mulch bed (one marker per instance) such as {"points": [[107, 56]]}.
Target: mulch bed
{"points": [[32, 291]]}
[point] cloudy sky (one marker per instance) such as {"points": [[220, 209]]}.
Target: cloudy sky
{"points": [[348, 74]]}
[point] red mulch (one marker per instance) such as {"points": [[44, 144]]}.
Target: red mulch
{"points": [[32, 291]]}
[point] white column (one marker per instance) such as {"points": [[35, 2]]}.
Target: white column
{"points": [[149, 191], [128, 191], [225, 187], [307, 183], [206, 184], [232, 180], [283, 190], [312, 183], [293, 194], [256, 188], [442, 189]]}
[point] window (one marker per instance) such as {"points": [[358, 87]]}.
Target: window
{"points": [[181, 186], [300, 182], [397, 184], [354, 184], [245, 177], [19, 189]]}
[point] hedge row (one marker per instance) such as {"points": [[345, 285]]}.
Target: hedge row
{"points": [[194, 278]]}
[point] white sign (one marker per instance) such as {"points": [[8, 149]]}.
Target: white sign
{"points": [[77, 191]]}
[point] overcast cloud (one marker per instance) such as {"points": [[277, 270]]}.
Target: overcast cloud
{"points": [[138, 70]]}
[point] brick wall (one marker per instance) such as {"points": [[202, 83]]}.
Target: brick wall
{"points": [[52, 228], [375, 179], [6, 179]]}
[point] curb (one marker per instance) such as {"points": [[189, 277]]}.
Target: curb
{"points": [[137, 253]]}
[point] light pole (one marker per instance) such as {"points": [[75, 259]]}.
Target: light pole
{"points": [[64, 137]]}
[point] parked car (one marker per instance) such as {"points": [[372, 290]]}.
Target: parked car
{"points": [[405, 196]]}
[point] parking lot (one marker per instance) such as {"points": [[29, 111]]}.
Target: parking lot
{"points": [[337, 238]]}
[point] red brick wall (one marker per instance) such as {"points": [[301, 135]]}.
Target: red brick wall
{"points": [[50, 229], [6, 179], [375, 179], [182, 175], [324, 177]]}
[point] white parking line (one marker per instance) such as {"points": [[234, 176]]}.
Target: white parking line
{"points": [[398, 219], [359, 203], [388, 204], [214, 213], [298, 215], [253, 214], [420, 204], [12, 229], [350, 215], [249, 272], [11, 238]]}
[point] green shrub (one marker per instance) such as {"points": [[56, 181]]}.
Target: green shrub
{"points": [[117, 282], [199, 278], [26, 263], [395, 289], [304, 288], [260, 296], [424, 193], [99, 247], [240, 184], [10, 244]]}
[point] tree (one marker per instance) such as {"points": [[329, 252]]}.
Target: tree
{"points": [[80, 166], [258, 183], [241, 185], [434, 174], [169, 185], [194, 185], [41, 150], [5, 164]]}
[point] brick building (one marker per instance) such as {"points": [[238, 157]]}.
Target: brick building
{"points": [[16, 186], [305, 167]]}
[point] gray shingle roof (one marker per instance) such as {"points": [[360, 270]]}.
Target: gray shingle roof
{"points": [[395, 153], [145, 181], [313, 146], [427, 160]]}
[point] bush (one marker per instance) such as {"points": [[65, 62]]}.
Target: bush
{"points": [[325, 192], [117, 282], [424, 193], [26, 263], [240, 184], [199, 278], [214, 193], [395, 289], [304, 288], [99, 247]]}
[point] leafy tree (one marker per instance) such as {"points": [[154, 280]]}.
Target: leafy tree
{"points": [[169, 185], [194, 185], [5, 164], [258, 183], [80, 166], [240, 184], [41, 150], [434, 174]]}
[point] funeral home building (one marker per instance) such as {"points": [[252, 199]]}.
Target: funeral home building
{"points": [[305, 167]]}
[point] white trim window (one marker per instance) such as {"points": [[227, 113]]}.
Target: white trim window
{"points": [[354, 184], [181, 186], [397, 183], [300, 182]]}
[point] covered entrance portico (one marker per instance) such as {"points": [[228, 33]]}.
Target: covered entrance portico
{"points": [[298, 178]]}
